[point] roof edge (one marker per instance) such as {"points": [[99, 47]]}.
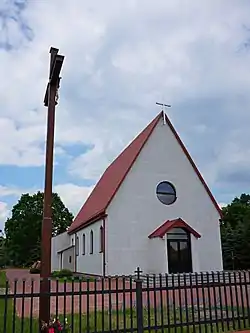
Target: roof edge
{"points": [[156, 120], [194, 165], [66, 248], [93, 219], [161, 231]]}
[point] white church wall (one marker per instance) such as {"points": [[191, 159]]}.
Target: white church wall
{"points": [[135, 210], [68, 259], [157, 262], [89, 263], [195, 254], [58, 243]]}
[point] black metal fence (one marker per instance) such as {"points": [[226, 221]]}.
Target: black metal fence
{"points": [[207, 302]]}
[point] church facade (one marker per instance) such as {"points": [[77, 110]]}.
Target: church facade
{"points": [[151, 208]]}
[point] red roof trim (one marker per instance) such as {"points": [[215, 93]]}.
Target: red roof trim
{"points": [[150, 130], [111, 180], [170, 224], [94, 219], [194, 166]]}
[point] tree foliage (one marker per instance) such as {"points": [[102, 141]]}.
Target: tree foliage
{"points": [[23, 228], [235, 233], [3, 252]]}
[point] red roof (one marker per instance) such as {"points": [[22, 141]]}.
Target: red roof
{"points": [[170, 224], [95, 206], [104, 191]]}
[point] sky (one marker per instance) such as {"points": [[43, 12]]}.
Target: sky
{"points": [[121, 57]]}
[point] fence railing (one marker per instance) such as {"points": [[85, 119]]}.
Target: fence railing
{"points": [[204, 302]]}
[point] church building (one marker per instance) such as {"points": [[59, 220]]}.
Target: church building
{"points": [[150, 209]]}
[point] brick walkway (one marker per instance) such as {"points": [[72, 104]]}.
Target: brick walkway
{"points": [[69, 304]]}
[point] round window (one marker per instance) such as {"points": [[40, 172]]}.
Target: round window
{"points": [[166, 193]]}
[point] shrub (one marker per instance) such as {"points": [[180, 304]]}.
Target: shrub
{"points": [[64, 273], [3, 279]]}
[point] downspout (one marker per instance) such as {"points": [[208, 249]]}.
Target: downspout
{"points": [[75, 253], [104, 249]]}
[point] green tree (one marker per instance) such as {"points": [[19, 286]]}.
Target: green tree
{"points": [[3, 252], [235, 233], [23, 228], [236, 212]]}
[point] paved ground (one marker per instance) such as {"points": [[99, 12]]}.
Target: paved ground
{"points": [[217, 297], [76, 303]]}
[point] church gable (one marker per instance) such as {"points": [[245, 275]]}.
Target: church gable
{"points": [[142, 204], [95, 206], [165, 157]]}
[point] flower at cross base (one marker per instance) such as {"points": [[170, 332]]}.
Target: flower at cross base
{"points": [[55, 326]]}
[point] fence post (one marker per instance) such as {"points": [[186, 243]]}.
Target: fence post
{"points": [[139, 303]]}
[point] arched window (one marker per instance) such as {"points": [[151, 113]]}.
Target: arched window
{"points": [[91, 242], [101, 239], [83, 244], [177, 233], [77, 246]]}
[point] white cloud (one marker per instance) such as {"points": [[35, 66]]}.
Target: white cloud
{"points": [[222, 204], [73, 195], [122, 57], [10, 191], [4, 213]]}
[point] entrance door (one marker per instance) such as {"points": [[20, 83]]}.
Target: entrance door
{"points": [[179, 251]]}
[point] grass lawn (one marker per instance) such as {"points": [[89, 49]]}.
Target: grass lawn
{"points": [[102, 321], [99, 323], [2, 279]]}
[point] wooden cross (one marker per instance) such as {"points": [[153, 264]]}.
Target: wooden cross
{"points": [[56, 61], [50, 101]]}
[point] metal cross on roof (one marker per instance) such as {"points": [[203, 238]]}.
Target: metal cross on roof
{"points": [[164, 105]]}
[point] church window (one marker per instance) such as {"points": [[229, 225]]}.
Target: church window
{"points": [[166, 193], [101, 239], [91, 242], [83, 244], [77, 246]]}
